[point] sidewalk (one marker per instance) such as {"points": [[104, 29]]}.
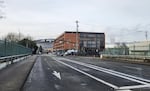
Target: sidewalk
{"points": [[12, 78]]}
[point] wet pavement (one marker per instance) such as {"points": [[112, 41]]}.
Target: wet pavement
{"points": [[52, 73], [43, 79], [71, 73]]}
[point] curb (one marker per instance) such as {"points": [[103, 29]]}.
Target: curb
{"points": [[22, 86]]}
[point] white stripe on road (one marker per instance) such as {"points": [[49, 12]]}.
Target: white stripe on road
{"points": [[143, 81], [134, 87], [89, 75], [115, 73]]}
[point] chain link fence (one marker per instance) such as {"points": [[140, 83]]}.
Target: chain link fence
{"points": [[11, 48], [116, 51], [130, 50]]}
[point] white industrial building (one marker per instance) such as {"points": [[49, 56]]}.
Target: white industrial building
{"points": [[139, 48]]}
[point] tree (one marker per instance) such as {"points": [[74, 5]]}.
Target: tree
{"points": [[20, 39], [40, 49], [29, 44], [123, 48], [14, 37], [1, 6], [11, 37]]}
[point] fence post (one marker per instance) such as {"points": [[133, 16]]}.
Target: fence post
{"points": [[134, 49], [149, 50], [5, 47]]}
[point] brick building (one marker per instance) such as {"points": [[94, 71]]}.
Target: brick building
{"points": [[65, 41], [89, 43]]}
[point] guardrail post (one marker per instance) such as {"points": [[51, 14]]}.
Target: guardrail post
{"points": [[11, 60], [148, 54], [5, 47]]}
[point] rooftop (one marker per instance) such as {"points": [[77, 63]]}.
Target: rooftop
{"points": [[84, 32]]}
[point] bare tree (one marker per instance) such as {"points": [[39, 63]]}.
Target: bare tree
{"points": [[15, 37], [1, 6]]}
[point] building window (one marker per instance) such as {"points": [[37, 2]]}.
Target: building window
{"points": [[85, 43]]}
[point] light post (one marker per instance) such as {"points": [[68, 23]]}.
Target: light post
{"points": [[146, 34], [77, 26]]}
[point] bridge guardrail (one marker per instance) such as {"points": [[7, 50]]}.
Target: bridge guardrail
{"points": [[11, 58]]}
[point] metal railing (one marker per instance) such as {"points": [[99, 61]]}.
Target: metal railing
{"points": [[11, 58], [11, 52], [12, 48], [8, 60], [139, 50]]}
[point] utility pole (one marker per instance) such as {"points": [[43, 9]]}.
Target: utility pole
{"points": [[77, 26], [146, 35], [19, 34]]}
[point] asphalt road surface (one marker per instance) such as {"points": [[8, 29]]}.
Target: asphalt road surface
{"points": [[53, 73]]}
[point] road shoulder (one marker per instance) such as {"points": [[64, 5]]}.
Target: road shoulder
{"points": [[13, 77]]}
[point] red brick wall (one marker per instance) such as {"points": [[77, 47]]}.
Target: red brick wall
{"points": [[68, 41]]}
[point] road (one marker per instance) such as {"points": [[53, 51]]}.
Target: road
{"points": [[53, 73]]}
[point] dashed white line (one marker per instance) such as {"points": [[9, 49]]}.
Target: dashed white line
{"points": [[134, 87]]}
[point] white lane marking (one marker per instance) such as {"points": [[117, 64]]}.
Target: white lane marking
{"points": [[136, 68], [123, 90], [83, 84], [134, 87], [89, 75], [57, 74], [112, 72], [58, 87]]}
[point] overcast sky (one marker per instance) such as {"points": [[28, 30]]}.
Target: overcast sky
{"points": [[119, 19]]}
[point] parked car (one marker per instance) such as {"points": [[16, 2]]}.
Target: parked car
{"points": [[70, 52]]}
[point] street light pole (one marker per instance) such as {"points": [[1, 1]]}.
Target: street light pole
{"points": [[77, 26], [146, 34]]}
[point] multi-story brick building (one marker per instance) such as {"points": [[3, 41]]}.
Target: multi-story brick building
{"points": [[88, 43], [65, 41]]}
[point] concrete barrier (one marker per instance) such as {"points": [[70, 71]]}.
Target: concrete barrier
{"points": [[5, 61]]}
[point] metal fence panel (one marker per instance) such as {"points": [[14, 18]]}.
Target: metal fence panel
{"points": [[131, 50], [11, 48]]}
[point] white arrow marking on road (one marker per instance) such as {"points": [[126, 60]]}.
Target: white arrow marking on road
{"points": [[57, 74], [123, 90]]}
